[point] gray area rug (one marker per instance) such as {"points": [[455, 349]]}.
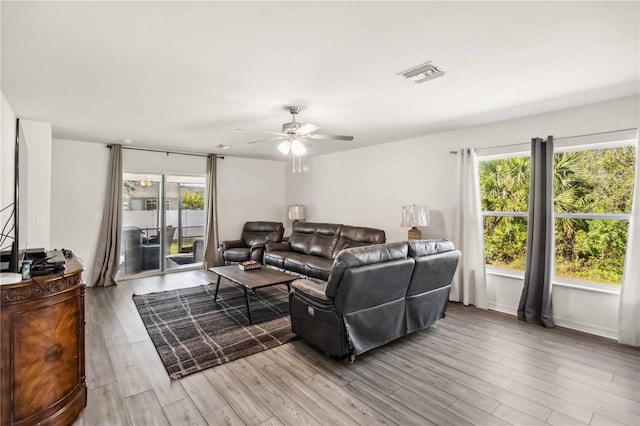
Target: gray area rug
{"points": [[192, 332]]}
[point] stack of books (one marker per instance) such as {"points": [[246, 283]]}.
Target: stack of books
{"points": [[249, 265]]}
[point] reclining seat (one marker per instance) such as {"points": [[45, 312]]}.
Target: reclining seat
{"points": [[436, 262], [360, 307], [251, 244]]}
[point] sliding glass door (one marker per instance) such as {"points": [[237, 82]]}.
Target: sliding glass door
{"points": [[185, 220], [163, 223]]}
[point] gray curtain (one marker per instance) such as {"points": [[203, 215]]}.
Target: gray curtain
{"points": [[105, 265], [535, 302], [211, 245]]}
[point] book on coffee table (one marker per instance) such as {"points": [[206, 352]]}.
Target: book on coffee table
{"points": [[249, 265]]}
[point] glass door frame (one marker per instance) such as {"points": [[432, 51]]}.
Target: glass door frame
{"points": [[161, 220]]}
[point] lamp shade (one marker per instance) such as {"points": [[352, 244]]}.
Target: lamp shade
{"points": [[297, 148], [414, 215], [284, 147], [296, 212]]}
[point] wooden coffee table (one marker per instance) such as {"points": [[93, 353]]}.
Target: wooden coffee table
{"points": [[251, 280]]}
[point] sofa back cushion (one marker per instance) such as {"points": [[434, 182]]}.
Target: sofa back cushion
{"points": [[255, 233], [419, 248], [361, 256], [370, 293], [317, 239], [357, 236], [436, 262]]}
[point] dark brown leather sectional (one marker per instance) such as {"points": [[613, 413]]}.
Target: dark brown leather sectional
{"points": [[312, 247], [374, 295]]}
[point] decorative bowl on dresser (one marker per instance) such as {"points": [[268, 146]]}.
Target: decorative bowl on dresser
{"points": [[42, 348]]}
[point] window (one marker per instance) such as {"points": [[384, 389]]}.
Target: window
{"points": [[152, 204], [592, 202], [593, 190], [504, 191]]}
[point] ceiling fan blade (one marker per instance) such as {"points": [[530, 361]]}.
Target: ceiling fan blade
{"points": [[331, 137], [265, 140], [307, 128]]}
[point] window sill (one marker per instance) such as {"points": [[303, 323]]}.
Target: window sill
{"points": [[578, 285], [505, 273]]}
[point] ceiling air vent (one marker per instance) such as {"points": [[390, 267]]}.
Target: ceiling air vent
{"points": [[423, 73]]}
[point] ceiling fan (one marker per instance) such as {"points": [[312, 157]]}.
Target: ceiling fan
{"points": [[294, 134]]}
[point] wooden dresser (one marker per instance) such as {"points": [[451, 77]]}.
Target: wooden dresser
{"points": [[42, 349]]}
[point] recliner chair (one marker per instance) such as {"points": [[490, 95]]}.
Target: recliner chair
{"points": [[251, 244], [374, 294]]}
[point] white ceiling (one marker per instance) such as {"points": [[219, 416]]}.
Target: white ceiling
{"points": [[191, 75]]}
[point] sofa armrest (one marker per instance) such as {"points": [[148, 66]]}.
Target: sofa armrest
{"points": [[229, 244], [313, 289], [271, 246], [256, 252]]}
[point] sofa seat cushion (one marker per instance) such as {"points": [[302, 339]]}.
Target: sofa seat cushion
{"points": [[276, 258], [237, 254], [318, 267], [313, 289], [296, 262]]}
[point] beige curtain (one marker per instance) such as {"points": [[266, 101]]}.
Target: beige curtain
{"points": [[469, 284], [105, 265], [211, 246]]}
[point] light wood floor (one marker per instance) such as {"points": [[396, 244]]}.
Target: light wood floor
{"points": [[473, 367]]}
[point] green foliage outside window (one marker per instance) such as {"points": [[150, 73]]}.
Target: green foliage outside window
{"points": [[192, 200], [591, 181]]}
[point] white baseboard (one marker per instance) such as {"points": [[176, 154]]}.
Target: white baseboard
{"points": [[500, 307], [561, 322], [587, 328]]}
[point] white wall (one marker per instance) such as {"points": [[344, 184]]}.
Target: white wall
{"points": [[159, 162], [368, 186], [78, 182], [248, 190]]}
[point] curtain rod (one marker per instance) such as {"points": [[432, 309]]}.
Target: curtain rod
{"points": [[193, 154], [556, 139]]}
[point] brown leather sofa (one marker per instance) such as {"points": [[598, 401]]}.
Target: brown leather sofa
{"points": [[311, 248], [374, 295], [251, 244]]}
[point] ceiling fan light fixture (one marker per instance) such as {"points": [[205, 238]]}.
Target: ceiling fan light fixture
{"points": [[422, 73], [297, 148], [284, 147]]}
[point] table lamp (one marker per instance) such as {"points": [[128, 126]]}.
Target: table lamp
{"points": [[413, 216], [296, 212]]}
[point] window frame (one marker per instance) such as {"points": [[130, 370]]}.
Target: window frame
{"points": [[563, 282]]}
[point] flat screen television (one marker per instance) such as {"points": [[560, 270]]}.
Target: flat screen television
{"points": [[21, 175]]}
